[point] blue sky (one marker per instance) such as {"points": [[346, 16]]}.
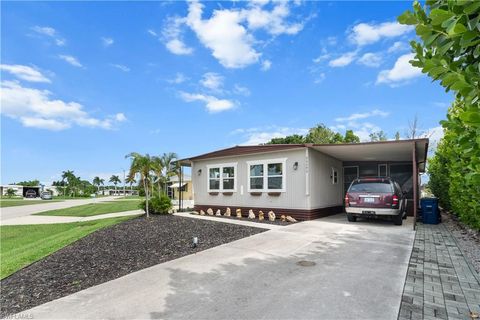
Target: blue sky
{"points": [[83, 84]]}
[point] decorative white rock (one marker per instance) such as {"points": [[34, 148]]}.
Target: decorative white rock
{"points": [[291, 219], [261, 215], [202, 213], [219, 213], [228, 212], [283, 218], [210, 211], [251, 215], [195, 213], [239, 213], [271, 216]]}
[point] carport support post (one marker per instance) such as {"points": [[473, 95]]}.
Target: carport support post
{"points": [[415, 186], [180, 189]]}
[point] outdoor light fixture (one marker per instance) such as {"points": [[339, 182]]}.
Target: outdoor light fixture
{"points": [[295, 165], [199, 171], [194, 242]]}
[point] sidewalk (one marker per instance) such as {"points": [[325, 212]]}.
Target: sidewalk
{"points": [[440, 283], [59, 219]]}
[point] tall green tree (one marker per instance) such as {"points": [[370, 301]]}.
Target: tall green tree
{"points": [[351, 137], [96, 182], [449, 52], [322, 134], [378, 136], [292, 139], [157, 166], [141, 165], [115, 180], [170, 166]]}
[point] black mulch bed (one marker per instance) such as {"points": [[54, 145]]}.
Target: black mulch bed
{"points": [[111, 253], [266, 221]]}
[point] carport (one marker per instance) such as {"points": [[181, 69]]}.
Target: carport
{"points": [[402, 160]]}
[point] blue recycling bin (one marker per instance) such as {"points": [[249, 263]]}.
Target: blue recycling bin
{"points": [[430, 212]]}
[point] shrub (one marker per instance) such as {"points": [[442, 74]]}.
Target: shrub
{"points": [[157, 204]]}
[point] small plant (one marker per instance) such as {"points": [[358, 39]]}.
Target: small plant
{"points": [[158, 204], [10, 192]]}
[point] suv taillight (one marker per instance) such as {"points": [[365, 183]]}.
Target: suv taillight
{"points": [[346, 201], [395, 201]]}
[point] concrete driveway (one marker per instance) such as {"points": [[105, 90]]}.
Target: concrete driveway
{"points": [[359, 273], [21, 211]]}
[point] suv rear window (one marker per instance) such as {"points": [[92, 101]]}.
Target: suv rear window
{"points": [[371, 186]]}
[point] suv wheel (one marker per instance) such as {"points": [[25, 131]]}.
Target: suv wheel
{"points": [[398, 219], [351, 217]]}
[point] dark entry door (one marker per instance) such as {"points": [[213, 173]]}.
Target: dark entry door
{"points": [[349, 174]]}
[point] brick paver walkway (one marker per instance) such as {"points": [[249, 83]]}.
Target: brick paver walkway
{"points": [[440, 283]]}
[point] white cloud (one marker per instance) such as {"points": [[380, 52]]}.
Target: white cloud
{"points": [[153, 33], [172, 36], [107, 42], [24, 72], [228, 33], [212, 104], [240, 90], [254, 136], [178, 47], [71, 60], [51, 33], [272, 21], [212, 81], [120, 67], [358, 116], [321, 57], [434, 134], [179, 78], [370, 59], [319, 79], [266, 65], [364, 33], [343, 60], [35, 108], [401, 72], [398, 46], [229, 41]]}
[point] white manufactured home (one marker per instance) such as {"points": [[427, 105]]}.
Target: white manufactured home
{"points": [[305, 181]]}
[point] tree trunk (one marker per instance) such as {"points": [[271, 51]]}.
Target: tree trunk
{"points": [[145, 186]]}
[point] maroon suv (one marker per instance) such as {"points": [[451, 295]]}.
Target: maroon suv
{"points": [[375, 197]]}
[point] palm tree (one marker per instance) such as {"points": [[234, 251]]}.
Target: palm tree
{"points": [[102, 182], [157, 164], [170, 167], [115, 179], [141, 164], [65, 175], [96, 182], [71, 180], [130, 180]]}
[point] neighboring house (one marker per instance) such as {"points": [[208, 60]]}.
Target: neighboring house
{"points": [[306, 181], [174, 188], [20, 191], [118, 192]]}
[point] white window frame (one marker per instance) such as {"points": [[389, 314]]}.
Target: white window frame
{"points": [[386, 169], [265, 164], [221, 166], [334, 170]]}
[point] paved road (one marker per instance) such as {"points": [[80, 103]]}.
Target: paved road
{"points": [[21, 211], [359, 274], [60, 219]]}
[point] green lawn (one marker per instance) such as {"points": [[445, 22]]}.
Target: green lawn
{"points": [[23, 245], [93, 209], [20, 202]]}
